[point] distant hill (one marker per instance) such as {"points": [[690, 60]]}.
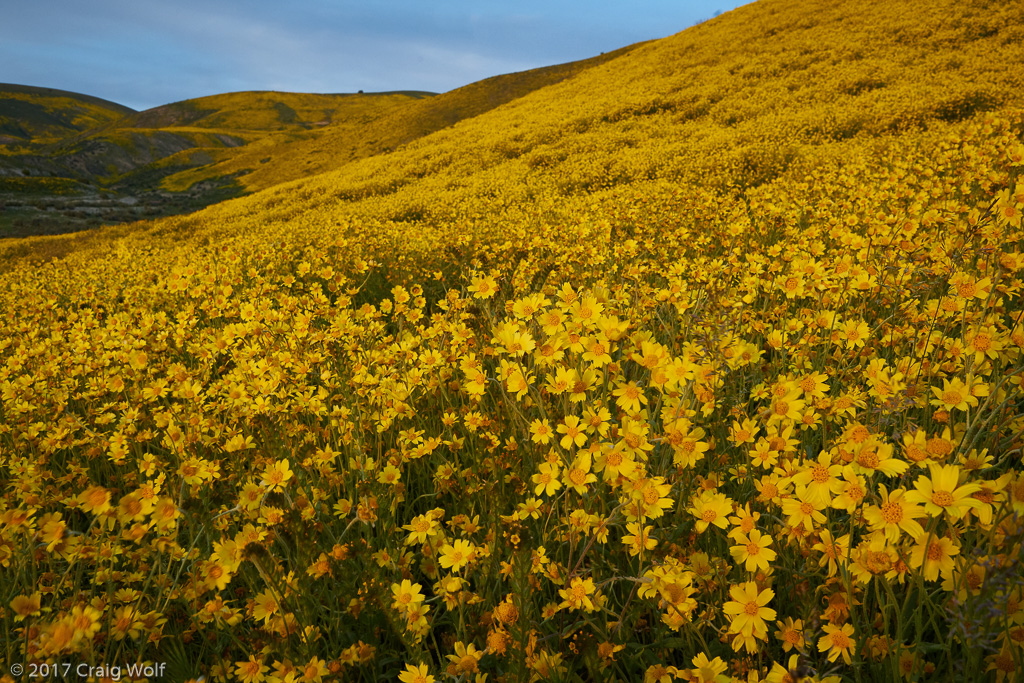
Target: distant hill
{"points": [[260, 110], [181, 156], [42, 115], [72, 163], [354, 135]]}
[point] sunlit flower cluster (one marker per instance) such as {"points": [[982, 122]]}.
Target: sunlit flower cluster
{"points": [[511, 427]]}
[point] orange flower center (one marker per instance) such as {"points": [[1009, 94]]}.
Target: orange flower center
{"points": [[967, 290], [951, 397], [892, 513], [915, 453], [868, 459], [840, 640]]}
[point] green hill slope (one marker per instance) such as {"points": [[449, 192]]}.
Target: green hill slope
{"points": [[185, 155], [44, 115], [111, 169], [356, 135]]}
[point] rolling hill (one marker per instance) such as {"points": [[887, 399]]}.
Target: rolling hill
{"points": [[281, 159], [112, 170], [702, 362], [179, 157], [43, 115]]}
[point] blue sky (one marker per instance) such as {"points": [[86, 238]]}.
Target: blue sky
{"points": [[142, 53]]}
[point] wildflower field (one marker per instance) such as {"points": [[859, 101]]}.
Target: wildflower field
{"points": [[703, 364]]}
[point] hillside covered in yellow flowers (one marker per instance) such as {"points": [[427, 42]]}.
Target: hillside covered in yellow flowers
{"points": [[702, 363]]}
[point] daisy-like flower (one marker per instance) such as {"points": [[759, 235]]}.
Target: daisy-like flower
{"points": [[748, 610], [687, 444], [455, 557], [266, 606], [541, 432], [934, 556], [465, 659], [133, 508], [871, 456], [854, 333], [283, 672], [814, 385], [763, 456], [26, 606], [851, 490], [753, 551], [966, 286], [652, 496], [658, 673], [954, 395], [578, 476], [95, 499], [529, 508], [804, 511], [895, 515], [251, 671], [418, 673], [710, 508], [743, 522], [578, 595], [709, 671], [421, 528], [740, 434], [833, 551], [407, 595], [574, 433], [639, 538], [314, 671], [629, 397], [277, 475], [791, 633], [546, 479], [837, 641], [941, 492], [788, 408], [820, 479], [613, 462], [483, 287]]}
